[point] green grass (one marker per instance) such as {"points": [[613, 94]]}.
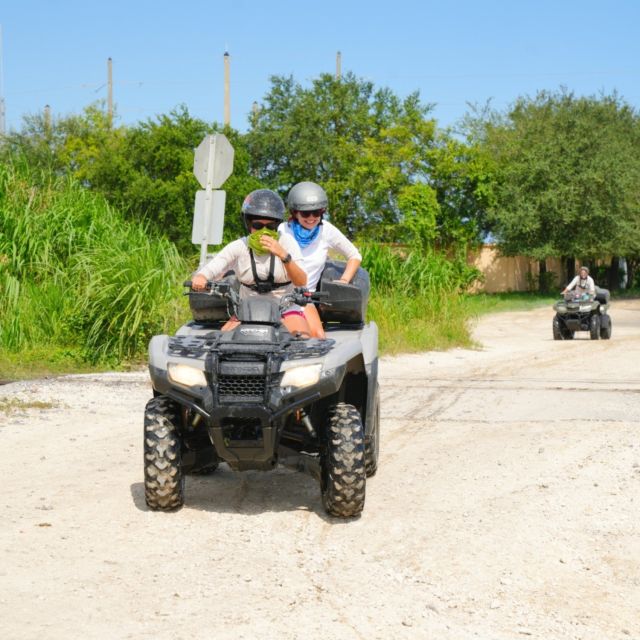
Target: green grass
{"points": [[414, 323], [424, 323], [483, 303], [41, 361], [80, 285], [416, 300], [11, 405]]}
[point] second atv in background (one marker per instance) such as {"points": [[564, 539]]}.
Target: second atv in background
{"points": [[582, 312]]}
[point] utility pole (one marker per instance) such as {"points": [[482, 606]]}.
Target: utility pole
{"points": [[47, 120], [338, 65], [2, 112], [227, 100], [109, 92]]}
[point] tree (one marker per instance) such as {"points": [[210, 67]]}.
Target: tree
{"points": [[567, 175], [146, 170], [389, 173]]}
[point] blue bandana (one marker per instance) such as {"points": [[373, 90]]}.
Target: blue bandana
{"points": [[304, 236]]}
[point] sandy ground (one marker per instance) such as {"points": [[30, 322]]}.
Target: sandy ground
{"points": [[506, 506]]}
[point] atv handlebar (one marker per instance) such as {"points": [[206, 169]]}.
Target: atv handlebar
{"points": [[300, 295]]}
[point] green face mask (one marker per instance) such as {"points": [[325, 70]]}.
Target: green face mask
{"points": [[254, 240]]}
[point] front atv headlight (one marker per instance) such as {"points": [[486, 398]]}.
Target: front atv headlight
{"points": [[186, 375], [301, 376]]}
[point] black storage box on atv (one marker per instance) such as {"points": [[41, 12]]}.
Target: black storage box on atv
{"points": [[206, 308], [346, 303]]}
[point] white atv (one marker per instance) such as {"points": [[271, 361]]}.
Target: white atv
{"points": [[257, 396]]}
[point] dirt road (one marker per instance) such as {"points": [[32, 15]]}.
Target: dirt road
{"points": [[507, 505]]}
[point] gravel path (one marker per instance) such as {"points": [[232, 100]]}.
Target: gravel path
{"points": [[505, 506]]}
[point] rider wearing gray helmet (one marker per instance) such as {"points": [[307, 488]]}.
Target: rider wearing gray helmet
{"points": [[307, 203]]}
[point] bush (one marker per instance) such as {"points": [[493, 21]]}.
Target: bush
{"points": [[416, 300], [76, 275]]}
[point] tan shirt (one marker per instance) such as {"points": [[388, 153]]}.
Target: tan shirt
{"points": [[235, 256]]}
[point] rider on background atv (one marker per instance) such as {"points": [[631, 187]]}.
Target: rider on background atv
{"points": [[264, 262], [582, 284]]}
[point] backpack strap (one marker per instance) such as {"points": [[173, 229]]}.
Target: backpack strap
{"points": [[267, 284]]}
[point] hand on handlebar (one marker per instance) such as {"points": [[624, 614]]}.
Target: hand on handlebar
{"points": [[199, 282]]}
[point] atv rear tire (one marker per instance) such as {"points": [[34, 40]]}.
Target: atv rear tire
{"points": [[594, 327], [372, 446], [343, 468], [163, 477], [605, 332]]}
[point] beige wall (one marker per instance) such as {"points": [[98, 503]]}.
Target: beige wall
{"points": [[502, 273]]}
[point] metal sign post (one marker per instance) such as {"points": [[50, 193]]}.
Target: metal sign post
{"points": [[212, 165]]}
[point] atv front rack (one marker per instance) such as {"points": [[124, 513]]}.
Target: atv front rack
{"points": [[289, 348]]}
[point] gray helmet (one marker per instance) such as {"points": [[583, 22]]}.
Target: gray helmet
{"points": [[307, 196], [263, 203]]}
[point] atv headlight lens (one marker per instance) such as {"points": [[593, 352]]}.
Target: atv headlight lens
{"points": [[186, 375], [301, 376]]}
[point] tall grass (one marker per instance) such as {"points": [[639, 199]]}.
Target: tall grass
{"points": [[416, 300], [74, 274]]}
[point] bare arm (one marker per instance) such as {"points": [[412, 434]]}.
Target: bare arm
{"points": [[350, 269]]}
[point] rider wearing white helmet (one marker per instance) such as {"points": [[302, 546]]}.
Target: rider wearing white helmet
{"points": [[307, 203]]}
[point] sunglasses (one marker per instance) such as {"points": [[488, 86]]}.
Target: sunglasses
{"points": [[307, 214], [272, 226]]}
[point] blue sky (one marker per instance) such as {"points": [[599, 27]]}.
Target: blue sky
{"points": [[169, 53]]}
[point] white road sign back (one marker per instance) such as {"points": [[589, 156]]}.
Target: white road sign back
{"points": [[213, 161], [211, 234]]}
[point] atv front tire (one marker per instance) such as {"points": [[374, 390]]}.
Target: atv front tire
{"points": [[594, 327], [605, 332], [372, 445], [163, 477], [560, 332], [343, 463]]}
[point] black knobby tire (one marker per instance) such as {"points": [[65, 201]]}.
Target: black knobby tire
{"points": [[557, 329], [605, 332], [372, 447], [594, 327], [343, 469], [163, 477]]}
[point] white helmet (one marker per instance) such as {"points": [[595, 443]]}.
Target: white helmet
{"points": [[307, 196]]}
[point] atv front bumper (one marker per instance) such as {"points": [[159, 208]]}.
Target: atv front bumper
{"points": [[266, 417]]}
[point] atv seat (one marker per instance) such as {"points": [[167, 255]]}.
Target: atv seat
{"points": [[602, 295], [207, 308], [346, 303]]}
